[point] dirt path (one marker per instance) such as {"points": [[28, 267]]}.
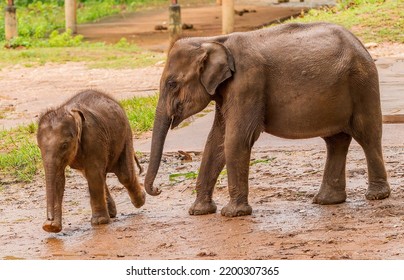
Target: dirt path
{"points": [[206, 21], [26, 92], [284, 224]]}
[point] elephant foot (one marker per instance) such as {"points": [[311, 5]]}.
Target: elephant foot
{"points": [[379, 190], [234, 210], [52, 226], [202, 208], [330, 195], [140, 200], [100, 220]]}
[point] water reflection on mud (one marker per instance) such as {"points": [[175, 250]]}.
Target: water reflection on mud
{"points": [[54, 246]]}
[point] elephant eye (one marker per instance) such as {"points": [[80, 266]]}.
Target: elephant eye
{"points": [[172, 84], [64, 146]]}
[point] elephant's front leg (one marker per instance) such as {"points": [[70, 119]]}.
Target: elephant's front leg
{"points": [[239, 138], [244, 124], [97, 186], [212, 164], [237, 163]]}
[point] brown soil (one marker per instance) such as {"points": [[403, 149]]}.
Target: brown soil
{"points": [[206, 21], [284, 224]]}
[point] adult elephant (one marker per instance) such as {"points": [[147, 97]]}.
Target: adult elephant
{"points": [[293, 81]]}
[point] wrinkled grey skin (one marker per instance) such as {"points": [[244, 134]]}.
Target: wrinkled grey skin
{"points": [[293, 81], [90, 133]]}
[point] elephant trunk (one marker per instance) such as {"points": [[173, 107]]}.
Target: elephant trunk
{"points": [[50, 196], [160, 129], [55, 183]]}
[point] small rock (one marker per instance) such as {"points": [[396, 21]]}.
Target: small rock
{"points": [[204, 254], [187, 26], [160, 27]]}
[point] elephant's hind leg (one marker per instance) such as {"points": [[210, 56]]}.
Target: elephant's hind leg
{"points": [[125, 171], [111, 204], [332, 190], [369, 137]]}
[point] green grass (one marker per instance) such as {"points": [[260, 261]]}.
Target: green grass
{"points": [[20, 157], [266, 161], [141, 112], [41, 38], [38, 19], [19, 154], [97, 55], [93, 10], [370, 20], [179, 177]]}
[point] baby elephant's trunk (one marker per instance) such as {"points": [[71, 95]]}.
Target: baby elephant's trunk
{"points": [[55, 182], [50, 199]]}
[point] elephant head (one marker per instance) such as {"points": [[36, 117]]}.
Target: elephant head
{"points": [[59, 135], [191, 77]]}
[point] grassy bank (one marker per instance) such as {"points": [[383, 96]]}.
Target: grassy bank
{"points": [[98, 55], [20, 158], [19, 154], [41, 37], [140, 112], [370, 20]]}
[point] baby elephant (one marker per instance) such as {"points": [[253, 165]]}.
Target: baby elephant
{"points": [[90, 133]]}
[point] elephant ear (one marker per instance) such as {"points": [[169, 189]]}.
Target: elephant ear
{"points": [[218, 66], [79, 118]]}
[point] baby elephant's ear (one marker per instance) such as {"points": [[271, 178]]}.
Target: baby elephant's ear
{"points": [[218, 66], [78, 119]]}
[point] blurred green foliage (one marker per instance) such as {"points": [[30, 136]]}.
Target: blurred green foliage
{"points": [[38, 20]]}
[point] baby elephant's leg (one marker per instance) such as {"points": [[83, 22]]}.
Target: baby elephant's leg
{"points": [[126, 174], [98, 197], [110, 203]]}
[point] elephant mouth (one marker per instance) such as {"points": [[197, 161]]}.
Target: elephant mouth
{"points": [[175, 121], [176, 117]]}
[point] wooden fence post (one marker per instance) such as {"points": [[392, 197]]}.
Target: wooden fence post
{"points": [[10, 20], [227, 16], [70, 15], [174, 23]]}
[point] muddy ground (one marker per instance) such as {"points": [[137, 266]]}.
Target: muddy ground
{"points": [[284, 224]]}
